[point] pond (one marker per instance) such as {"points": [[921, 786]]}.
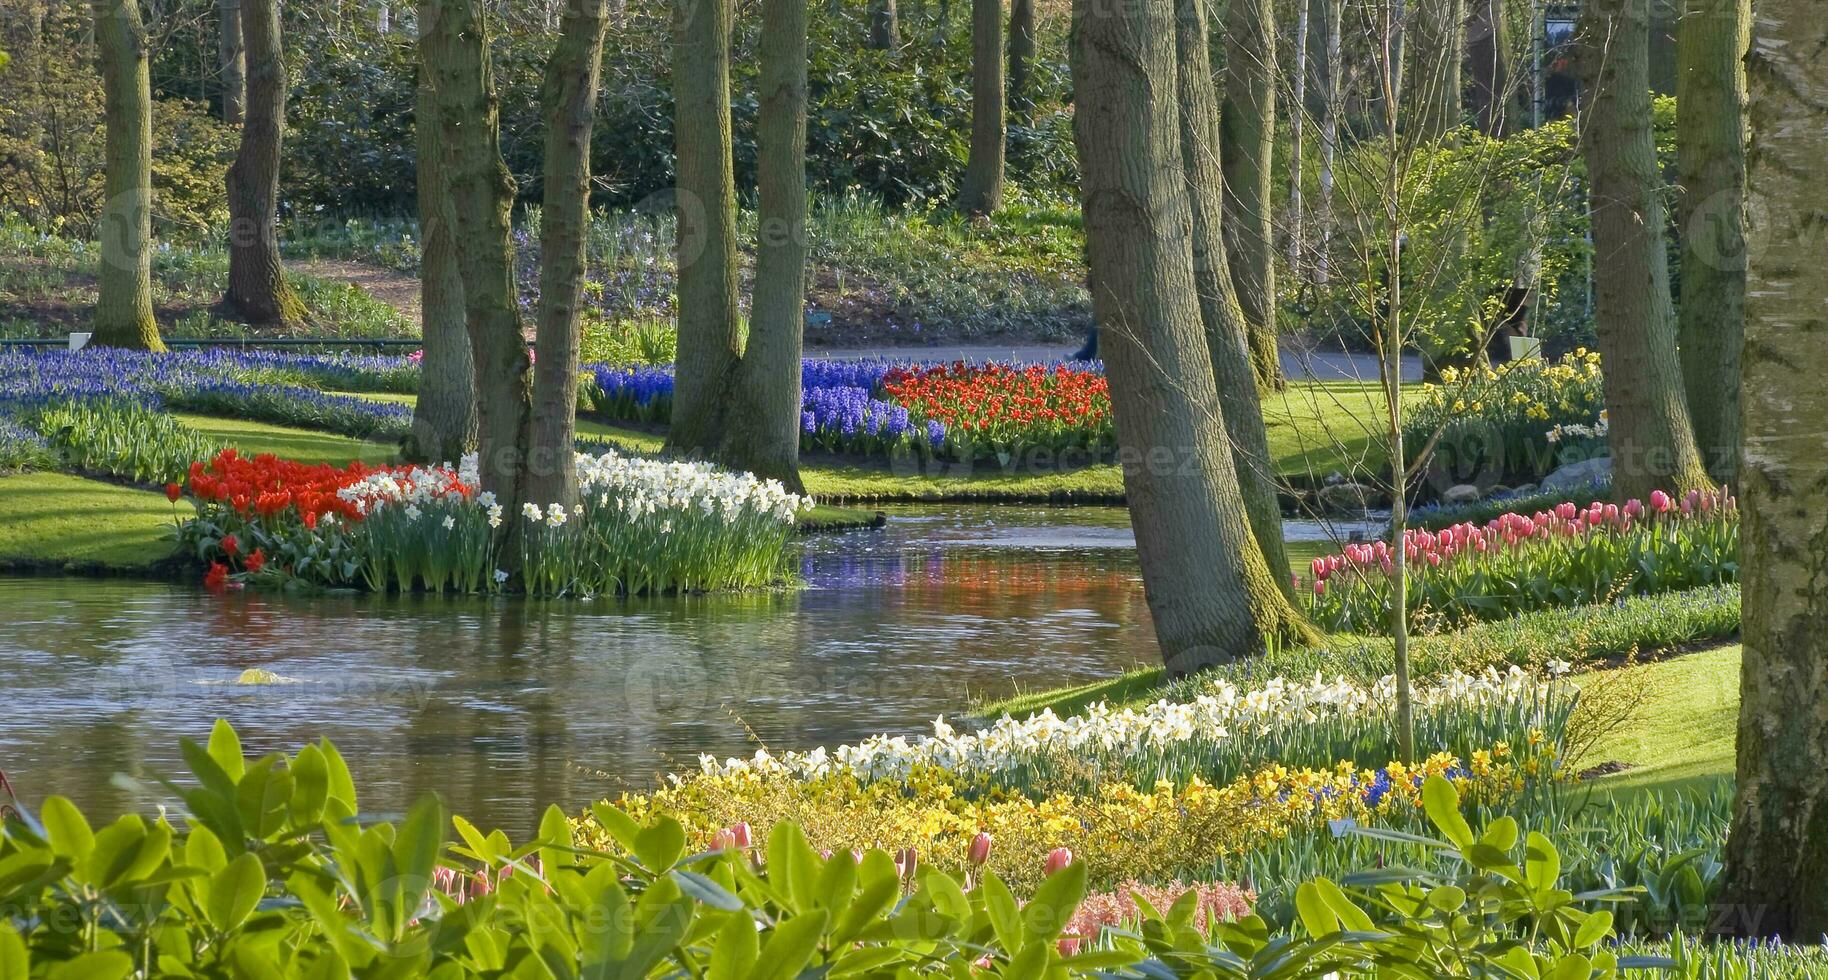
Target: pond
{"points": [[503, 706]]}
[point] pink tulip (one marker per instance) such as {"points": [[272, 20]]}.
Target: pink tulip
{"points": [[1069, 945], [740, 833], [980, 845], [906, 861], [724, 841], [1320, 587], [1057, 859], [1634, 508], [1660, 502]]}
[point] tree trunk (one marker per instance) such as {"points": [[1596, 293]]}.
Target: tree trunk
{"points": [[257, 288], [710, 329], [1436, 47], [233, 59], [1220, 315], [444, 419], [885, 25], [763, 434], [1202, 577], [1710, 155], [1248, 135], [1777, 850], [1022, 49], [1653, 442], [1491, 67], [569, 102], [123, 311], [981, 190], [1331, 110], [1297, 122], [456, 44]]}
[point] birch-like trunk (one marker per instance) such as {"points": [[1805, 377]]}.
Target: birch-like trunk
{"points": [[1776, 878]]}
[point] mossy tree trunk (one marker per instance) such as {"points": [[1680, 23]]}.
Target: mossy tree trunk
{"points": [[123, 311], [763, 432], [1776, 875], [1247, 135], [482, 193], [1710, 156], [257, 288], [232, 59], [568, 100], [710, 328], [1206, 582], [1653, 441], [1022, 50], [1220, 315], [980, 191], [444, 418]]}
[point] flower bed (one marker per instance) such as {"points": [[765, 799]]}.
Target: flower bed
{"points": [[261, 387], [642, 528], [1516, 422], [1220, 734], [1567, 556], [873, 408]]}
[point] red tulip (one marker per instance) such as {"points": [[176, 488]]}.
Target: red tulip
{"points": [[173, 491], [980, 848]]}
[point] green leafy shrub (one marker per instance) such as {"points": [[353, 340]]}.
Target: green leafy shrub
{"points": [[121, 438]]}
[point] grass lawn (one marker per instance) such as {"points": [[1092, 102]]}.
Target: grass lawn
{"points": [[46, 517], [1684, 733], [304, 445]]}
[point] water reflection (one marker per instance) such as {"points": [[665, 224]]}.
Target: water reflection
{"points": [[506, 705]]}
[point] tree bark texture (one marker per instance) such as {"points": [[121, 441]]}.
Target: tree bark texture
{"points": [[482, 193], [710, 328], [1653, 441], [1776, 878], [980, 192], [1491, 61], [257, 288], [123, 311], [1710, 215], [1220, 315], [1248, 138], [1202, 576], [233, 60], [444, 418], [1022, 50], [763, 434], [568, 100]]}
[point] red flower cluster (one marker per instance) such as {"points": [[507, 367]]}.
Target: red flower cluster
{"points": [[992, 398], [266, 486]]}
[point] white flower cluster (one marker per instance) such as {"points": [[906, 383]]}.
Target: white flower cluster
{"points": [[1578, 431], [644, 486], [416, 488], [1211, 717]]}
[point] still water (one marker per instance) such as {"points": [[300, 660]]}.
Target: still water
{"points": [[503, 706]]}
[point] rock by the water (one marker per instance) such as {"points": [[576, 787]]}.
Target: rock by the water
{"points": [[1575, 476], [1345, 498], [1461, 493]]}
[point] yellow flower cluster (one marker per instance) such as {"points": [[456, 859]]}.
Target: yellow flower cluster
{"points": [[1522, 391], [1120, 831]]}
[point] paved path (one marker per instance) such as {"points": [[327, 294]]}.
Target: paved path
{"points": [[401, 291], [1297, 365]]}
